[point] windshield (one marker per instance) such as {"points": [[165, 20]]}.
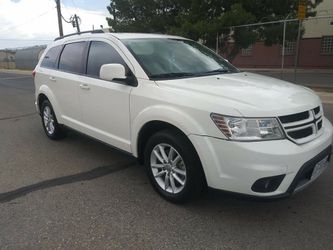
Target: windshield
{"points": [[173, 58]]}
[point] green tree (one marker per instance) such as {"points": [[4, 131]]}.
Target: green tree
{"points": [[204, 19]]}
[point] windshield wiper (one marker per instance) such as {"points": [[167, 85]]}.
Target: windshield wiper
{"points": [[220, 70], [184, 74], [172, 75]]}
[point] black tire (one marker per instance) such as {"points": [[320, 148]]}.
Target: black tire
{"points": [[58, 132], [195, 178]]}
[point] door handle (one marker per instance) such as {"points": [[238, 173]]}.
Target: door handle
{"points": [[52, 78], [84, 86]]}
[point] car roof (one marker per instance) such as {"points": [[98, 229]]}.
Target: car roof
{"points": [[106, 34], [143, 35]]}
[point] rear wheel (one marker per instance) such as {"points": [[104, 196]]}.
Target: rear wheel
{"points": [[173, 166], [52, 128]]}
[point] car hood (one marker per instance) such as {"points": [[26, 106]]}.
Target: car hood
{"points": [[250, 94]]}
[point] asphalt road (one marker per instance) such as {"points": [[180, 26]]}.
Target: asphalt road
{"points": [[78, 193]]}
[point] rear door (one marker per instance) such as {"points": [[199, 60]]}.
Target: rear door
{"points": [[66, 82], [47, 70], [105, 104]]}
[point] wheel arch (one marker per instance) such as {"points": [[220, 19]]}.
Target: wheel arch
{"points": [[40, 99], [162, 116], [152, 127], [45, 93], [148, 129]]}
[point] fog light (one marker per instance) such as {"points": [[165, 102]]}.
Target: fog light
{"points": [[267, 184]]}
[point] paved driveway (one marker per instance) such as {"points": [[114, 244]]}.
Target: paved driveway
{"points": [[78, 193]]}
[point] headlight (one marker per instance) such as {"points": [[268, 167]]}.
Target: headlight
{"points": [[248, 129]]}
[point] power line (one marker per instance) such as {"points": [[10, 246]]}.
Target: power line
{"points": [[28, 21], [15, 39], [279, 21], [65, 19], [74, 19]]}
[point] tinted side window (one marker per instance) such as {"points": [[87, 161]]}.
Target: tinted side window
{"points": [[101, 53], [50, 59], [71, 57]]}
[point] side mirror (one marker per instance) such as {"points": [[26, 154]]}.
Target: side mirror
{"points": [[112, 71]]}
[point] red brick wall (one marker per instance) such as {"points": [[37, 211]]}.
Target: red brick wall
{"points": [[270, 57]]}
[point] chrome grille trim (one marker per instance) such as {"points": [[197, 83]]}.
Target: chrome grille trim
{"points": [[298, 130], [299, 122]]}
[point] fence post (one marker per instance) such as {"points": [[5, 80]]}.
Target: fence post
{"points": [[217, 43], [283, 47], [297, 50]]}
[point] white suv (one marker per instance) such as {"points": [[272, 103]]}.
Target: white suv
{"points": [[191, 117]]}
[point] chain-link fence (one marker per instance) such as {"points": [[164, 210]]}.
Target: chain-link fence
{"points": [[21, 58], [270, 48], [274, 46]]}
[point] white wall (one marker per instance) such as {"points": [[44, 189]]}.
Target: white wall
{"points": [[320, 27]]}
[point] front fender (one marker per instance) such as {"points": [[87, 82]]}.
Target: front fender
{"points": [[163, 113]]}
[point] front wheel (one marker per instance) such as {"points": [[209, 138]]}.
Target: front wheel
{"points": [[173, 166]]}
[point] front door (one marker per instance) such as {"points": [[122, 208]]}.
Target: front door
{"points": [[105, 104]]}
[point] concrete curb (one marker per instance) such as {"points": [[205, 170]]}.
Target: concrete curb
{"points": [[288, 70], [325, 97], [16, 71], [318, 88]]}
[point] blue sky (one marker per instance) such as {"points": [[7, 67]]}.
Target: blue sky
{"points": [[88, 5]]}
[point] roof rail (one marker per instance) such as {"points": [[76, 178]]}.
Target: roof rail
{"points": [[84, 32]]}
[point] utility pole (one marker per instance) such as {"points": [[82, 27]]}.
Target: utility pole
{"points": [[77, 23], [75, 20], [61, 32]]}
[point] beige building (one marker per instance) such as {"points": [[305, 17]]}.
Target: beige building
{"points": [[7, 59], [320, 27]]}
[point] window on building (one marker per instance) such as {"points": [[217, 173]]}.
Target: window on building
{"points": [[101, 53], [71, 57], [50, 59], [247, 51], [326, 45], [289, 48]]}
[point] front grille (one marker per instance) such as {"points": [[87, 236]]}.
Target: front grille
{"points": [[317, 110], [304, 126], [320, 124], [294, 117], [298, 134]]}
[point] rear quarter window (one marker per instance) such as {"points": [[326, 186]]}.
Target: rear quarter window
{"points": [[50, 58]]}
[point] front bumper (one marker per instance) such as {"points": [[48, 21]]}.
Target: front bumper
{"points": [[236, 166]]}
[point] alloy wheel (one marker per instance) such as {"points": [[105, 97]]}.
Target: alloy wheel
{"points": [[48, 120], [168, 168]]}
